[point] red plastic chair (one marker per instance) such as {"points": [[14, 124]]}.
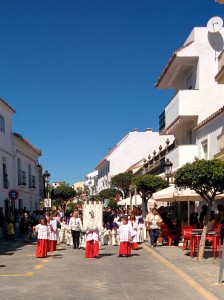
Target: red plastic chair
{"points": [[215, 239], [170, 235], [186, 234]]}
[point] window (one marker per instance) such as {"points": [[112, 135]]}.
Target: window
{"points": [[2, 123], [5, 177], [190, 137], [204, 146], [189, 83]]}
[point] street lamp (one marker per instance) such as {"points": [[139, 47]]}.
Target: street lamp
{"points": [[46, 177], [168, 169]]}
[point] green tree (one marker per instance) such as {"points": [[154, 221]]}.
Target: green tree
{"points": [[146, 185], [63, 193], [122, 181], [108, 194], [112, 203], [206, 177]]}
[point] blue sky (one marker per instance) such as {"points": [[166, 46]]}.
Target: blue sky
{"points": [[81, 73]]}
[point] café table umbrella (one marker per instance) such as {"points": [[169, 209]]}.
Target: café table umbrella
{"points": [[173, 193]]}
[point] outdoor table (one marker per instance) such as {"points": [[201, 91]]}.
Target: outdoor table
{"points": [[195, 241]]}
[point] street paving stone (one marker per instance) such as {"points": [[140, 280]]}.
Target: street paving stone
{"points": [[66, 274]]}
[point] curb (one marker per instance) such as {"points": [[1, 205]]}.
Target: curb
{"points": [[197, 286]]}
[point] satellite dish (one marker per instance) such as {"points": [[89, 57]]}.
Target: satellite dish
{"points": [[214, 24]]}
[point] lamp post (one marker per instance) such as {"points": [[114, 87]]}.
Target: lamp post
{"points": [[168, 172], [168, 169], [46, 177]]}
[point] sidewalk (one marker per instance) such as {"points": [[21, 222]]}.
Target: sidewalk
{"points": [[204, 272]]}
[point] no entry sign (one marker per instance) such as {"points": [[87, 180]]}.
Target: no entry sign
{"points": [[13, 194]]}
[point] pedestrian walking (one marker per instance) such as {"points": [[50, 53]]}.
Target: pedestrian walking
{"points": [[126, 234], [25, 226], [10, 230], [155, 222], [41, 230], [75, 225]]}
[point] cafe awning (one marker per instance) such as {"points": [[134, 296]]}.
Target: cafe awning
{"points": [[172, 193]]}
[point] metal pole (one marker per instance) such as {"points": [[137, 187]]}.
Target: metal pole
{"points": [[221, 267], [48, 200], [131, 205]]}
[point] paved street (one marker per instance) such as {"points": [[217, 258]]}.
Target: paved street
{"points": [[66, 274]]}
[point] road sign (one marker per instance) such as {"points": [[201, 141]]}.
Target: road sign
{"points": [[13, 194], [47, 202]]}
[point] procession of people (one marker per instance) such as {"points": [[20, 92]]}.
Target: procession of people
{"points": [[123, 228], [120, 228]]}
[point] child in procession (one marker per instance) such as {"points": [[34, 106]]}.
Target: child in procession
{"points": [[134, 225], [126, 234], [42, 238], [52, 232], [92, 244]]}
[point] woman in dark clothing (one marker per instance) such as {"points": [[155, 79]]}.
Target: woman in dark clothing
{"points": [[25, 226]]}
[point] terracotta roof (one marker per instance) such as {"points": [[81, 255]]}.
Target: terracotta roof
{"points": [[7, 105], [111, 151], [20, 137], [170, 62], [211, 117]]}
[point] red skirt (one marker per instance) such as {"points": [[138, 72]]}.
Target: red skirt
{"points": [[52, 245], [41, 248], [125, 248], [134, 246], [92, 249]]}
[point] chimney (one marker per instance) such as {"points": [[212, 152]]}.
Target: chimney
{"points": [[148, 129], [136, 130]]}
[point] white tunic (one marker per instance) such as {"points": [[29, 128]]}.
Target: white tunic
{"points": [[42, 231], [53, 230], [61, 233], [92, 235], [134, 225], [126, 233]]}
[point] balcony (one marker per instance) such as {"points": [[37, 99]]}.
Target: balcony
{"points": [[182, 154], [21, 177], [185, 106]]}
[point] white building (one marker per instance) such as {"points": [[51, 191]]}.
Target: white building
{"points": [[133, 147], [191, 72], [91, 182], [19, 165]]}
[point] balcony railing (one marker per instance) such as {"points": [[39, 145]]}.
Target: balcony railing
{"points": [[178, 155], [21, 177], [182, 104]]}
